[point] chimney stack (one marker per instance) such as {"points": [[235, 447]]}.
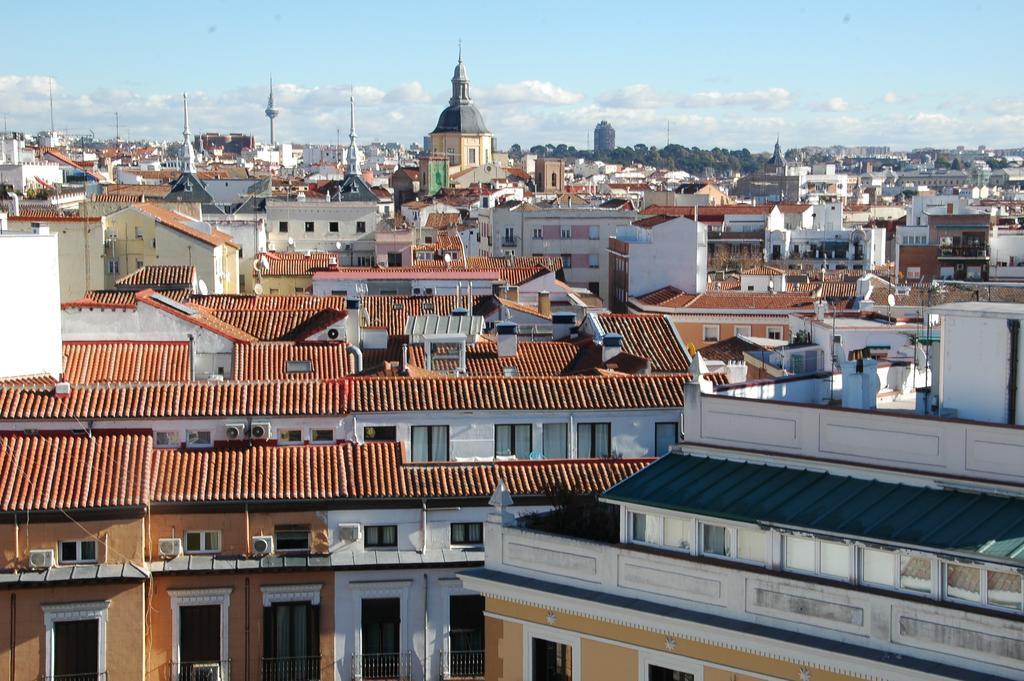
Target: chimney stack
{"points": [[561, 324], [544, 303], [508, 338], [352, 322], [611, 346]]}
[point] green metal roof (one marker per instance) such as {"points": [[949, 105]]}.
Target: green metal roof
{"points": [[943, 520]]}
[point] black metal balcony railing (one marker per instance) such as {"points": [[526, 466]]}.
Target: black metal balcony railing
{"points": [[86, 676], [462, 664], [509, 241], [291, 668], [384, 666], [201, 671], [963, 252]]}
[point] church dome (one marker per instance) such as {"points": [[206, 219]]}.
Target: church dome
{"points": [[461, 116]]}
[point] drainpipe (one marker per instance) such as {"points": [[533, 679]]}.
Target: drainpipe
{"points": [[1011, 388], [358, 355], [426, 626], [191, 358]]}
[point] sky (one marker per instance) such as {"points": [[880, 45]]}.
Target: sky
{"points": [[905, 74]]}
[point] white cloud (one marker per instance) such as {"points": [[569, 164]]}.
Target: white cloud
{"points": [[529, 92], [411, 92], [632, 97], [771, 99], [891, 97], [834, 104]]}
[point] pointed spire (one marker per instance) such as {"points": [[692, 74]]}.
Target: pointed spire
{"points": [[460, 82], [353, 151], [271, 111], [188, 153]]}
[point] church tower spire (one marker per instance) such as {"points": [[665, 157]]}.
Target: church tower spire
{"points": [[460, 83], [353, 151], [188, 152]]}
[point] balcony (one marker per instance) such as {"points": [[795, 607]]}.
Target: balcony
{"points": [[382, 666], [91, 676], [508, 241], [291, 668], [462, 664], [976, 252], [201, 671]]}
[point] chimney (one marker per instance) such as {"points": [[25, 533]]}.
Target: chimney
{"points": [[508, 338], [352, 322], [544, 303], [512, 294], [820, 307], [949, 209], [497, 289], [561, 324], [611, 346], [404, 368]]}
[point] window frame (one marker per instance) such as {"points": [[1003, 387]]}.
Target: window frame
{"points": [[203, 536], [175, 433], [310, 226], [198, 444], [732, 542], [282, 226], [360, 226], [316, 433], [741, 330], [592, 426], [379, 532], [513, 439], [769, 330], [281, 436], [466, 527], [430, 458], [78, 559], [333, 227], [717, 333], [280, 529]]}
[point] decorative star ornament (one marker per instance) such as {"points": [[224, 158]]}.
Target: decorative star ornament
{"points": [[670, 644], [550, 618], [805, 674]]}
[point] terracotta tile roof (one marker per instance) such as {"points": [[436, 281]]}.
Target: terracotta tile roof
{"points": [[763, 271], [371, 395], [198, 315], [710, 213], [750, 300], [158, 276], [518, 173], [415, 205], [919, 296], [391, 312], [269, 361], [119, 299], [374, 470], [126, 361], [275, 302], [667, 296], [443, 220], [271, 324], [515, 271], [29, 379], [180, 223], [157, 191], [296, 264], [793, 207], [653, 220], [837, 289], [728, 349], [195, 399], [533, 358], [651, 336], [63, 471]]}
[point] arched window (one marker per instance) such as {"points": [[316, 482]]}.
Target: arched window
{"points": [[554, 180]]}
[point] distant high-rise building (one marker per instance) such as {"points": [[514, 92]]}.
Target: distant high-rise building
{"points": [[271, 111], [604, 136]]}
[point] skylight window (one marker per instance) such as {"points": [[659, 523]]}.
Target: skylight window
{"points": [[299, 366]]}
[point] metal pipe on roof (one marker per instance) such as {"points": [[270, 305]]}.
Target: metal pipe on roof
{"points": [[1011, 389], [358, 355]]}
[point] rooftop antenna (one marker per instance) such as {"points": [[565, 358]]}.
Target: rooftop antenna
{"points": [[51, 105], [668, 128], [271, 111], [117, 128]]}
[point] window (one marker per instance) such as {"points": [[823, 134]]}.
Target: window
{"points": [[298, 367], [290, 435], [394, 259], [751, 545], [139, 264], [593, 233], [593, 440], [113, 267], [551, 661], [198, 438], [322, 435], [309, 226], [656, 673], [715, 540], [710, 333], [77, 551], [471, 154], [202, 541], [429, 443], [566, 232], [1003, 589], [166, 438], [282, 226], [665, 435], [360, 227], [467, 533], [76, 646], [138, 232], [379, 434], [593, 261], [678, 533], [741, 330], [566, 261], [963, 582], [291, 643], [878, 567], [292, 538], [801, 554], [556, 440], [380, 536], [332, 226], [835, 559], [538, 233], [775, 332], [643, 528], [513, 440], [729, 542], [916, 574], [381, 638], [466, 636]]}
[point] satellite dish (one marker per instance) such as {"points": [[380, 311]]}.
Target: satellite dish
{"points": [[203, 289], [337, 245], [447, 257], [891, 299], [291, 241], [264, 262], [257, 289]]}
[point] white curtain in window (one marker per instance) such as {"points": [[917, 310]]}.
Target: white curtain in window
{"points": [[751, 544], [420, 443], [602, 440], [879, 567], [835, 560], [502, 440], [678, 532], [584, 446], [439, 443], [800, 554], [716, 540], [554, 440], [524, 437]]}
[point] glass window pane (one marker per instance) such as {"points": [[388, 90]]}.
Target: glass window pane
{"points": [[584, 448], [89, 553], [716, 540], [751, 544], [68, 552], [439, 443], [800, 554], [555, 440], [963, 582], [419, 443], [678, 532], [602, 440], [192, 541], [879, 567], [639, 521], [916, 574], [502, 440], [1004, 589], [834, 560], [523, 441]]}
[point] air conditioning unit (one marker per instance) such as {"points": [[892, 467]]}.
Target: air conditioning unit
{"points": [[333, 334], [417, 291], [235, 431], [271, 247], [204, 671], [260, 431], [348, 532], [41, 559], [169, 547], [262, 546]]}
